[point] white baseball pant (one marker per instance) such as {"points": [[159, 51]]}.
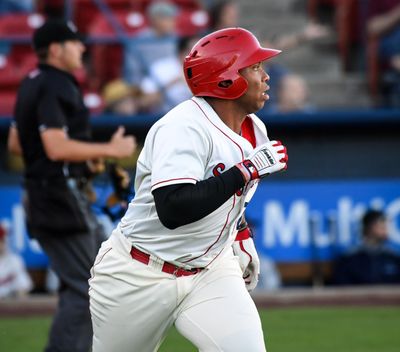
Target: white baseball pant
{"points": [[133, 305]]}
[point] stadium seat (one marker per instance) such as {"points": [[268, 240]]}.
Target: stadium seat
{"points": [[373, 73], [20, 25], [191, 22], [87, 11], [7, 99], [13, 68], [141, 5], [107, 56]]}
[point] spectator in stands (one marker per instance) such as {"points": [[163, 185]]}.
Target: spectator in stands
{"points": [[120, 98], [151, 44], [288, 91], [292, 95], [14, 279], [372, 262], [224, 14], [383, 22], [165, 86]]}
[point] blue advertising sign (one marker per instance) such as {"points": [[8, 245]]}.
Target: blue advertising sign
{"points": [[293, 221], [314, 220], [12, 215]]}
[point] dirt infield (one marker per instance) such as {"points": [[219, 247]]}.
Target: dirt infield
{"points": [[354, 296], [343, 296]]}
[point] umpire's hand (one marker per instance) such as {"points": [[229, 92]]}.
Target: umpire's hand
{"points": [[121, 146]]}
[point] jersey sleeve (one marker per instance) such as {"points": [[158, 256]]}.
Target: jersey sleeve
{"points": [[50, 111], [179, 154]]}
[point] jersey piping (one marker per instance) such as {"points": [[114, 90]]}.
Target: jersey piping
{"points": [[157, 184], [206, 116]]}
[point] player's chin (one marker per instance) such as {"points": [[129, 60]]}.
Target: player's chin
{"points": [[261, 103]]}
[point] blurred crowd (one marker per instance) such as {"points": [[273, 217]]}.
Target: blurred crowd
{"points": [[135, 48]]}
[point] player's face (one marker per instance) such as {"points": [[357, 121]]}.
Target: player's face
{"points": [[71, 54], [255, 96]]}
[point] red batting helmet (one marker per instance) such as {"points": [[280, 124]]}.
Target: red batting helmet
{"points": [[218, 57]]}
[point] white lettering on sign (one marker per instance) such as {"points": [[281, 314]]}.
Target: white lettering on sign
{"points": [[295, 227], [301, 226]]}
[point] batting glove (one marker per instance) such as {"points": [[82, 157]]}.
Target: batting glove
{"points": [[244, 249], [264, 160]]}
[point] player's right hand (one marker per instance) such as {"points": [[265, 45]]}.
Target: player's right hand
{"points": [[264, 160], [122, 146]]}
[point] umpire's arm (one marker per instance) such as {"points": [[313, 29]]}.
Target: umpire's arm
{"points": [[13, 143]]}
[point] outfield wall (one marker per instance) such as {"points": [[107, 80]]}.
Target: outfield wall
{"points": [[340, 163]]}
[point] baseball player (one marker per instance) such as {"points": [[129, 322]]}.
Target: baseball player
{"points": [[182, 254]]}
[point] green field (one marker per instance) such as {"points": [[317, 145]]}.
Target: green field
{"points": [[333, 329]]}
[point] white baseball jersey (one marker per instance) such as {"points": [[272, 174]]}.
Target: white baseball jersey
{"points": [[189, 144]]}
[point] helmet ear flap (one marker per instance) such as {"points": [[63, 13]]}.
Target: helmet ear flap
{"points": [[237, 87]]}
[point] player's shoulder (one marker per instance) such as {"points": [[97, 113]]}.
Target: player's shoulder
{"points": [[183, 115], [44, 80]]}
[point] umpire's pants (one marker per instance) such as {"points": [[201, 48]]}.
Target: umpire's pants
{"points": [[71, 257]]}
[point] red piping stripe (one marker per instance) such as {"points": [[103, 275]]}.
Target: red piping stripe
{"points": [[219, 236], [98, 262], [240, 148], [242, 248], [174, 179]]}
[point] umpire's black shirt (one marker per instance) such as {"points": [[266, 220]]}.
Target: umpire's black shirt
{"points": [[50, 98]]}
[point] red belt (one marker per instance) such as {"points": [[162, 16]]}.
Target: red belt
{"points": [[166, 267]]}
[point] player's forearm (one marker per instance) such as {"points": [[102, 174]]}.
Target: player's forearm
{"points": [[178, 205], [13, 143]]}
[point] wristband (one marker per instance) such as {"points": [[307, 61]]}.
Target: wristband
{"points": [[244, 234], [248, 170]]}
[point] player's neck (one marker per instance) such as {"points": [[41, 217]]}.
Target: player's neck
{"points": [[227, 112]]}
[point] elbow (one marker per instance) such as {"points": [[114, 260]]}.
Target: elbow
{"points": [[55, 154], [14, 149]]}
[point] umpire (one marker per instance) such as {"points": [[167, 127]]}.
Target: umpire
{"points": [[51, 130]]}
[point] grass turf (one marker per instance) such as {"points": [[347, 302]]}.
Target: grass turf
{"points": [[338, 329]]}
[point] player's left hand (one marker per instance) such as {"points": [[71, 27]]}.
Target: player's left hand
{"points": [[244, 249]]}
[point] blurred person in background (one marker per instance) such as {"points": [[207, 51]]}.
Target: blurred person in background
{"points": [[120, 98], [165, 86], [372, 262], [52, 132], [224, 14], [292, 95], [383, 22], [14, 278], [289, 90], [152, 43]]}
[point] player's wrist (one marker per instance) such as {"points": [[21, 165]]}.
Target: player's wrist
{"points": [[248, 170]]}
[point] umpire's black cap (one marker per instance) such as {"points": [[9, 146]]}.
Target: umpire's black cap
{"points": [[55, 31]]}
